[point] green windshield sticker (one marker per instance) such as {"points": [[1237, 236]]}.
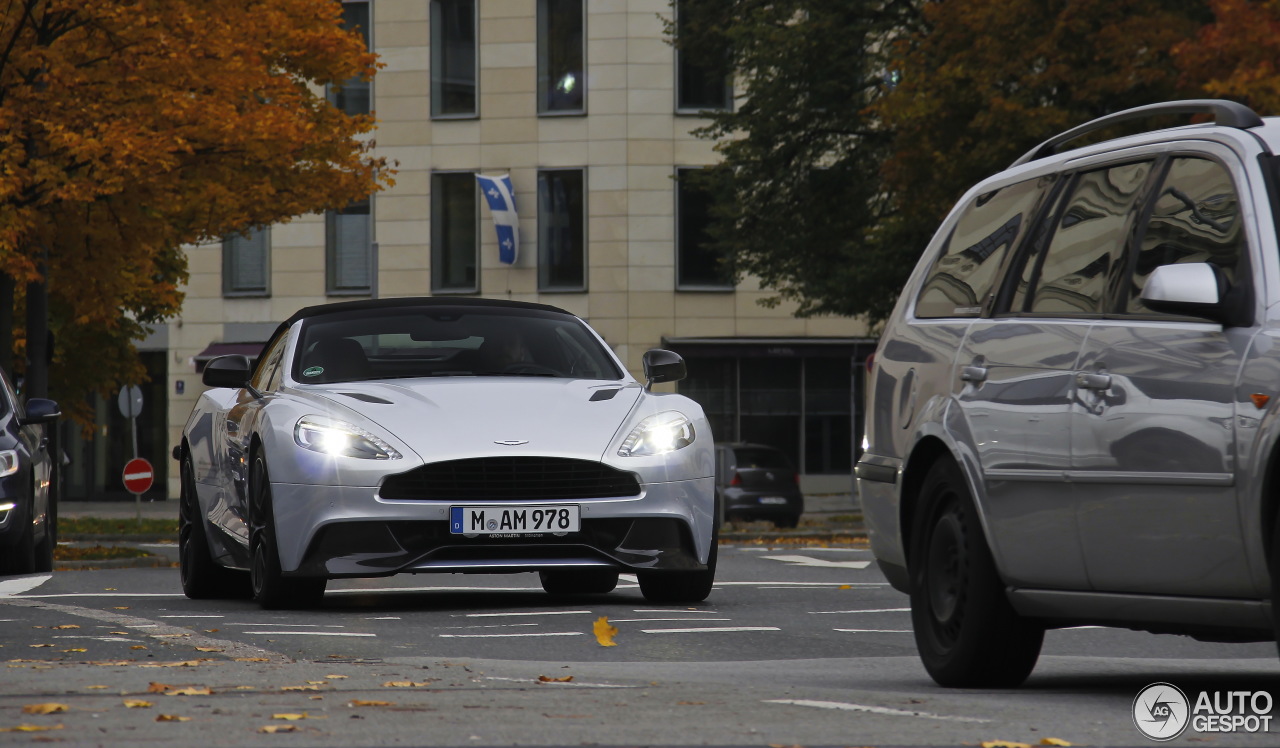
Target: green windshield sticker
{"points": [[313, 371]]}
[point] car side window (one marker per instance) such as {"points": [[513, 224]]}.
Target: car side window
{"points": [[965, 273], [268, 375], [1196, 218], [1089, 236]]}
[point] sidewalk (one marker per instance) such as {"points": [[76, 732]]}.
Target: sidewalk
{"points": [[118, 509]]}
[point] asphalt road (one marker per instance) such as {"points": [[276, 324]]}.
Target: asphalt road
{"points": [[795, 646]]}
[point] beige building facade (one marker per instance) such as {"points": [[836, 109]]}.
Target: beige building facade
{"points": [[579, 101]]}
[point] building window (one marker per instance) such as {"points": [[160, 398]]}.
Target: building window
{"points": [[561, 57], [246, 264], [562, 217], [453, 58], [348, 240], [703, 80], [454, 244], [699, 267], [355, 95]]}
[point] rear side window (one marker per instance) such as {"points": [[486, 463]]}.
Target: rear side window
{"points": [[1088, 242], [1196, 218], [966, 272]]}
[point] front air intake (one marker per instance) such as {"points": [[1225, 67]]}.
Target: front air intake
{"points": [[510, 479]]}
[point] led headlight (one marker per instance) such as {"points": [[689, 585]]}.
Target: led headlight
{"points": [[658, 435], [333, 437], [8, 462]]}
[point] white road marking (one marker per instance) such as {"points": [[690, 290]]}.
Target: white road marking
{"points": [[384, 618], [291, 625], [643, 620], [632, 578], [491, 626], [383, 590], [875, 631], [19, 585], [873, 710], [561, 684], [803, 584], [714, 630], [819, 563], [191, 616], [307, 633], [499, 636], [690, 612], [530, 613], [178, 596], [877, 610]]}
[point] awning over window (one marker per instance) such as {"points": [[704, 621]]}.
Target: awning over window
{"points": [[252, 350]]}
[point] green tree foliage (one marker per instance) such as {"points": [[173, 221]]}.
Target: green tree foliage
{"points": [[798, 192], [861, 123]]}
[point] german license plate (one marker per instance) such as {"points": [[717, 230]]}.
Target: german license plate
{"points": [[773, 500], [513, 520]]}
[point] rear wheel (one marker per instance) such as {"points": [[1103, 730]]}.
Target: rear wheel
{"points": [[579, 581], [967, 633], [271, 589], [202, 578], [788, 522]]}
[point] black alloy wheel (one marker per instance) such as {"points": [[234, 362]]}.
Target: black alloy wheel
{"points": [[967, 633]]}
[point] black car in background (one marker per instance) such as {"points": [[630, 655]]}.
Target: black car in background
{"points": [[28, 508], [754, 481]]}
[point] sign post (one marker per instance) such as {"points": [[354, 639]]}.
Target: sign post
{"points": [[130, 402]]}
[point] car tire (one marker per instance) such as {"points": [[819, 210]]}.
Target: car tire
{"points": [[42, 555], [967, 633], [681, 586], [1274, 563], [202, 578], [579, 581], [789, 522], [271, 589]]}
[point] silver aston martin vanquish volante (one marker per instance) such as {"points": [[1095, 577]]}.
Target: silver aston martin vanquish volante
{"points": [[443, 435]]}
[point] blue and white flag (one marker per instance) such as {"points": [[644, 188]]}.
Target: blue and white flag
{"points": [[501, 197]]}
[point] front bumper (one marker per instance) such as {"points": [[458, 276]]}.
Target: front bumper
{"points": [[331, 531]]}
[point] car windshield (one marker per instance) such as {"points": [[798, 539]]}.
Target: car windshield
{"points": [[448, 341]]}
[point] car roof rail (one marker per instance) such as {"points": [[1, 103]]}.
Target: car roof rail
{"points": [[1226, 113]]}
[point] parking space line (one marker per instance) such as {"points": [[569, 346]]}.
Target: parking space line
{"points": [[875, 631], [307, 633], [873, 710], [506, 636], [877, 610], [530, 613], [644, 620]]}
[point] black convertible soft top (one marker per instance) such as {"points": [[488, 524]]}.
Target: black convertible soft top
{"points": [[412, 301]]}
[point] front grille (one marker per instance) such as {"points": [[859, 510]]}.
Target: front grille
{"points": [[511, 479]]}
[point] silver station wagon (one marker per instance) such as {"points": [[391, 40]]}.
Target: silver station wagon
{"points": [[1073, 410]]}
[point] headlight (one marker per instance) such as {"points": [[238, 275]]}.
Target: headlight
{"points": [[658, 435], [8, 462], [333, 437]]}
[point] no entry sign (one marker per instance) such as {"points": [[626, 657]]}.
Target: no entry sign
{"points": [[138, 476]]}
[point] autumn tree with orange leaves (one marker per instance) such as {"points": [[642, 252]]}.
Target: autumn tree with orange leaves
{"points": [[1238, 55], [129, 128]]}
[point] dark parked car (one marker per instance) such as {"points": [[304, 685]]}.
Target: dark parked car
{"points": [[28, 509], [754, 481]]}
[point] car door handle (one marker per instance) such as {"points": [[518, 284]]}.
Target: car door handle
{"points": [[1093, 381], [975, 374]]}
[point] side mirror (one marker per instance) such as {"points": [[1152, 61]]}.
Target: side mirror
{"points": [[662, 366], [40, 410], [227, 371], [1193, 289]]}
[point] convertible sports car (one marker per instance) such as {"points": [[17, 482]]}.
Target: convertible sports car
{"points": [[443, 435]]}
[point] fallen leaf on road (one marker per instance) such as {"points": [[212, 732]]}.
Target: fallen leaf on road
{"points": [[179, 663], [208, 649], [168, 636], [295, 717], [137, 646], [138, 704], [75, 650], [364, 702], [547, 679], [318, 682], [299, 688], [67, 626], [278, 728], [335, 677], [30, 728], [408, 683], [120, 607], [1053, 741], [604, 632], [251, 659], [1003, 744], [845, 587], [95, 687], [171, 718], [50, 708], [158, 687], [37, 646], [190, 691], [118, 633]]}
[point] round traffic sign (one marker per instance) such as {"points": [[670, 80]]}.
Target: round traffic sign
{"points": [[138, 475]]}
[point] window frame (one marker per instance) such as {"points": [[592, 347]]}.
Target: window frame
{"points": [[229, 254], [437, 51], [544, 286], [680, 66], [331, 94], [331, 285], [542, 47], [436, 248], [728, 287]]}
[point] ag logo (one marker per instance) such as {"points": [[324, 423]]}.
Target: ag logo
{"points": [[1161, 711]]}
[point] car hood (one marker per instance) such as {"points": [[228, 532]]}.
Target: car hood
{"points": [[446, 418]]}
